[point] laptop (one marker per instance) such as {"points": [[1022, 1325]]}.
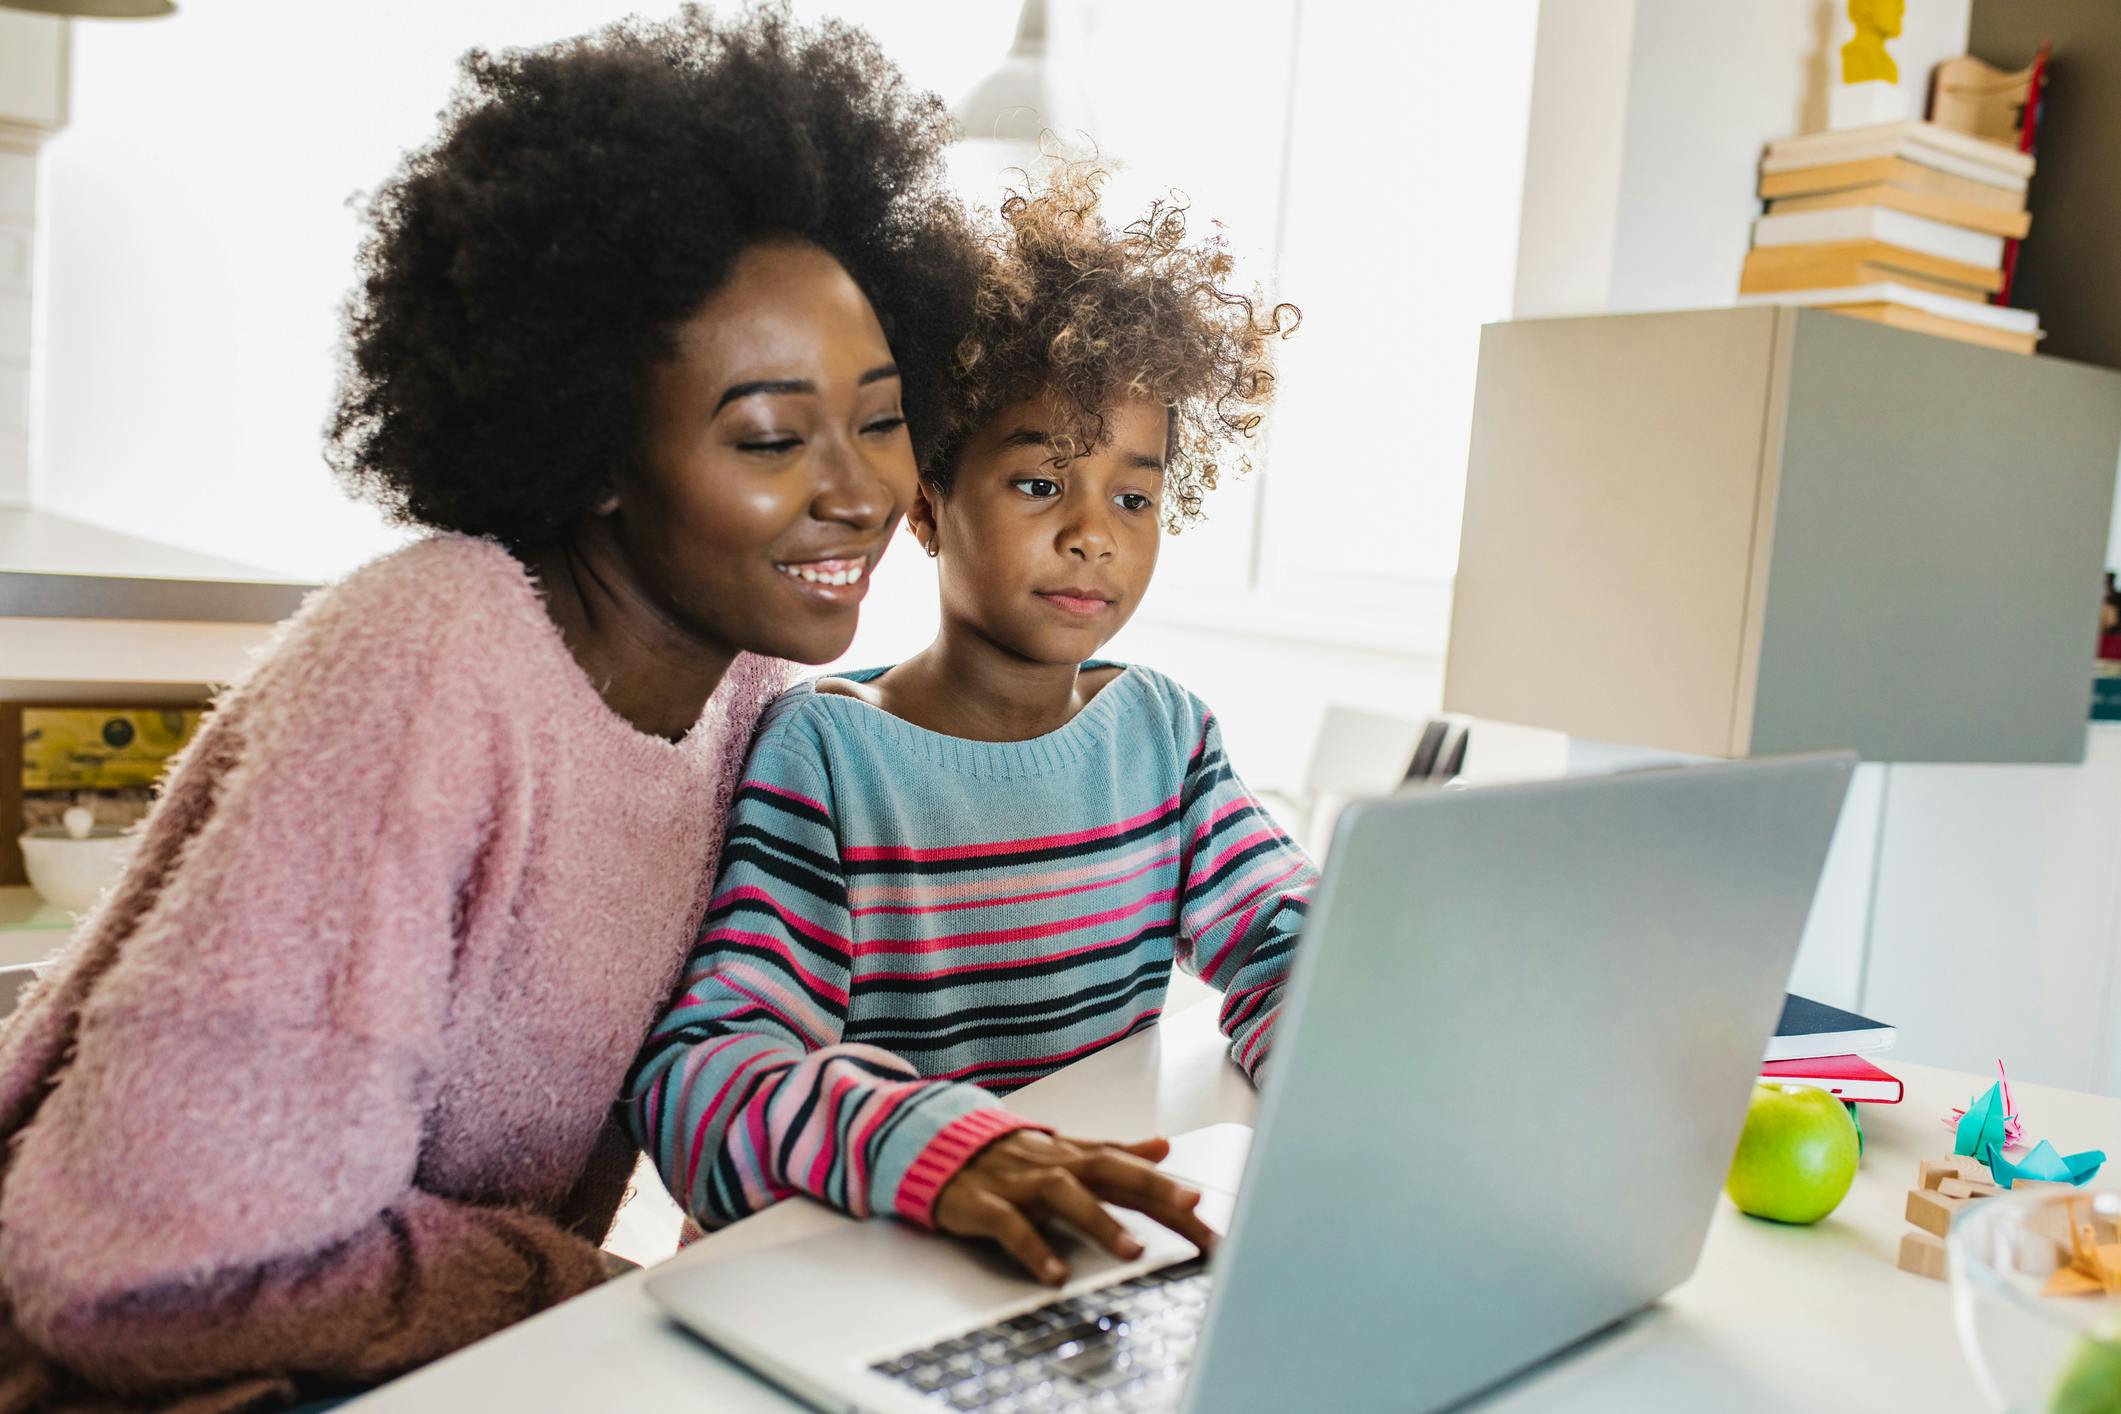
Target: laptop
{"points": [[1509, 1075]]}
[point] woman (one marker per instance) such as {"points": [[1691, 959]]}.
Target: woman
{"points": [[324, 1089]]}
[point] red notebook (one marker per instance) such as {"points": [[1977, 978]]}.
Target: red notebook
{"points": [[1848, 1077]]}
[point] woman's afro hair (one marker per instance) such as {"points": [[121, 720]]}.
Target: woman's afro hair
{"points": [[1074, 311], [527, 269]]}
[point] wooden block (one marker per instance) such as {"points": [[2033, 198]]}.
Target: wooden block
{"points": [[1932, 1211], [1923, 1255], [2037, 1255], [2040, 1185], [1935, 1171], [2050, 1220], [1966, 1188]]}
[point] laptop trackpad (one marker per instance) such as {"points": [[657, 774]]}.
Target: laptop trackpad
{"points": [[871, 1286], [1211, 1157]]}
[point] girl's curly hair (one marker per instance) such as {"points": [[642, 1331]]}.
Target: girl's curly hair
{"points": [[1069, 308], [527, 269]]}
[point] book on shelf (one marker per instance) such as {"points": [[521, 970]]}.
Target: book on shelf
{"points": [[1863, 262], [1892, 172], [1877, 223], [1961, 154], [1964, 309], [1936, 208], [1899, 316]]}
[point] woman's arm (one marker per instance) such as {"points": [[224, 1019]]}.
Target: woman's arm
{"points": [[1245, 889], [223, 1177], [744, 1092]]}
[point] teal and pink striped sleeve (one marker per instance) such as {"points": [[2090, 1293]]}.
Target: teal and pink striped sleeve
{"points": [[744, 1092], [1245, 889]]}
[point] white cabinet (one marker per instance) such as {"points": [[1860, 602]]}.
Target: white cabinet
{"points": [[1996, 926]]}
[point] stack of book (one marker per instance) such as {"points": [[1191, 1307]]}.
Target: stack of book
{"points": [[1826, 1047], [1903, 223]]}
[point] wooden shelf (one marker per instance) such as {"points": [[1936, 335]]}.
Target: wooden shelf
{"points": [[31, 930]]}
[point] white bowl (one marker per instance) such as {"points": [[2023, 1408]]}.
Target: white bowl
{"points": [[70, 873]]}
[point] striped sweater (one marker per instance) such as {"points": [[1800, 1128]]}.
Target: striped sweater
{"points": [[908, 925]]}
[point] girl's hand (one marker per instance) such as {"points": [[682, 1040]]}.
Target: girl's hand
{"points": [[1025, 1178]]}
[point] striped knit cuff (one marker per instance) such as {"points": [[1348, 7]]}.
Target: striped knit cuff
{"points": [[1251, 1052], [950, 1150]]}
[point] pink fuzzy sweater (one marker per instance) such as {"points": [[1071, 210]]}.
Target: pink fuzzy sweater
{"points": [[324, 1087]]}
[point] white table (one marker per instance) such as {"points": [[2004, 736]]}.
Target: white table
{"points": [[1775, 1319]]}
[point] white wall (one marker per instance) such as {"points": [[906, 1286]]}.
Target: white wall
{"points": [[18, 207], [32, 100], [1574, 144], [200, 238]]}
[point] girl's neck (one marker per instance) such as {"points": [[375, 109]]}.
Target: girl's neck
{"points": [[963, 685], [649, 668]]}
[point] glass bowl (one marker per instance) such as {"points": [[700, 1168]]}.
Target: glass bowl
{"points": [[2035, 1350]]}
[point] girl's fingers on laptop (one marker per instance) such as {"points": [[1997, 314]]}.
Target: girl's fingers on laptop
{"points": [[1118, 1177], [983, 1213], [1021, 1179], [1063, 1195]]}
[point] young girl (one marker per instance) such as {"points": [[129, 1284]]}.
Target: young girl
{"points": [[946, 879]]}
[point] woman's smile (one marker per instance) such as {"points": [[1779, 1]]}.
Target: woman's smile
{"points": [[839, 582]]}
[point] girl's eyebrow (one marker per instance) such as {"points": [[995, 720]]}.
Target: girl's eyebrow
{"points": [[1032, 437]]}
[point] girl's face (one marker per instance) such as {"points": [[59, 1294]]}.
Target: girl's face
{"points": [[777, 460], [1048, 560]]}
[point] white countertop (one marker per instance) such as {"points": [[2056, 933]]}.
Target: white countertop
{"points": [[1781, 1319], [53, 568]]}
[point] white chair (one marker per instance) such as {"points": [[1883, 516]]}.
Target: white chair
{"points": [[1363, 753]]}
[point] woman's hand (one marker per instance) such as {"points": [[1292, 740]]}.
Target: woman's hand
{"points": [[1025, 1178]]}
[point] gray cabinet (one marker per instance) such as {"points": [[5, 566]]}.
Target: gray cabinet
{"points": [[1734, 532]]}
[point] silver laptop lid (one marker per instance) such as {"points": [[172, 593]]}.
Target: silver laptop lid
{"points": [[1509, 1077]]}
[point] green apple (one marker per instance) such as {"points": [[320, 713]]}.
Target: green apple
{"points": [[1797, 1156], [2092, 1382]]}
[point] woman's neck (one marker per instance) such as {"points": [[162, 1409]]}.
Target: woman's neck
{"points": [[964, 685], [649, 668]]}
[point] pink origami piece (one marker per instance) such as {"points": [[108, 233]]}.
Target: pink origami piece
{"points": [[2013, 1128]]}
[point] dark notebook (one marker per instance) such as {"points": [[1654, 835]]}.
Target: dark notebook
{"points": [[1810, 1029]]}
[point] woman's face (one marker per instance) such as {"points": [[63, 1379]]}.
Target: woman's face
{"points": [[1044, 558], [777, 460]]}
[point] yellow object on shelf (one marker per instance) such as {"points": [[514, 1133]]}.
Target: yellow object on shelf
{"points": [[87, 748]]}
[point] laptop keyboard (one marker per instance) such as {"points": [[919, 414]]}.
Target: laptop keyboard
{"points": [[1122, 1349]]}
